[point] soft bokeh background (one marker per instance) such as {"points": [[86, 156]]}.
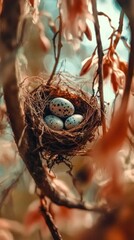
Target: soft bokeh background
{"points": [[22, 194]]}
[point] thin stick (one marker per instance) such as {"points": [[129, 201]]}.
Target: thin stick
{"points": [[119, 30], [100, 57], [49, 221], [59, 33], [109, 19]]}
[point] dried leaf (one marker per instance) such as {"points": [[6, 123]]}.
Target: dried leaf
{"points": [[123, 66], [86, 66], [114, 81], [88, 33], [75, 13], [117, 79], [106, 70]]}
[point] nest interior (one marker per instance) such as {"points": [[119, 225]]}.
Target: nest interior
{"points": [[64, 142]]}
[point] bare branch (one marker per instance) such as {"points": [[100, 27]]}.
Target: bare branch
{"points": [[100, 57], [49, 221], [109, 19], [119, 30], [57, 56]]}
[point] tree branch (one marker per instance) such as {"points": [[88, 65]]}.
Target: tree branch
{"points": [[49, 221], [57, 56], [100, 59], [119, 30]]}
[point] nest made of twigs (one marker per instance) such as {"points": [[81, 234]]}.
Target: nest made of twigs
{"points": [[64, 142]]}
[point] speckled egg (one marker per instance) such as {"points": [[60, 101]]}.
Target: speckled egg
{"points": [[61, 107], [73, 121], [54, 122]]}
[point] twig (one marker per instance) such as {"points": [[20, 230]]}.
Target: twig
{"points": [[49, 221], [117, 34], [57, 56], [119, 30], [100, 57], [109, 19]]}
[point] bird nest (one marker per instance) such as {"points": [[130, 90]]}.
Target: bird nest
{"points": [[60, 144]]}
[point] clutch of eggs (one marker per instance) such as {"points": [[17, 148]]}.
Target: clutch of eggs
{"points": [[61, 107]]}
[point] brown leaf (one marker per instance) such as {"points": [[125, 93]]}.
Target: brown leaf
{"points": [[88, 33], [114, 81], [106, 70], [86, 66], [123, 66]]}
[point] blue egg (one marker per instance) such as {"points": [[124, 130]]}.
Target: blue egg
{"points": [[73, 121], [61, 107], [54, 122]]}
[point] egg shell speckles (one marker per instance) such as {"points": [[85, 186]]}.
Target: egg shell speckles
{"points": [[54, 122], [73, 121], [61, 107]]}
